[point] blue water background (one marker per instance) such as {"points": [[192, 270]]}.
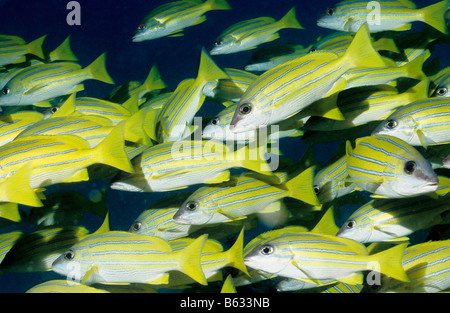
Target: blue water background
{"points": [[107, 26]]}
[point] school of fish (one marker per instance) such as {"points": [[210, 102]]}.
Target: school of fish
{"points": [[371, 86]]}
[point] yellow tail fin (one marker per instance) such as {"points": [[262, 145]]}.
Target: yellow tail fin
{"points": [[208, 70], [235, 255], [97, 70], [389, 262], [153, 80], [111, 151], [290, 20], [301, 187], [35, 47], [16, 188], [189, 260], [63, 52], [434, 15], [252, 158], [361, 53], [10, 211]]}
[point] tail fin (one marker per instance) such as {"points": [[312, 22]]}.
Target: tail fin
{"points": [[132, 104], [361, 53], [16, 188], [235, 255], [218, 5], [208, 70], [111, 151], [153, 80], [419, 91], [134, 128], [434, 15], [290, 20], [389, 262], [97, 70], [251, 159], [301, 187], [63, 52], [67, 108], [414, 67], [189, 260], [10, 211], [35, 47]]}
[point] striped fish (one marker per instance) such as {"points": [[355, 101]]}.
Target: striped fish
{"points": [[229, 89], [213, 259], [320, 258], [388, 167], [421, 123], [359, 77], [7, 241], [93, 128], [330, 182], [170, 166], [370, 105], [393, 219], [13, 124], [61, 53], [271, 55], [13, 49], [427, 266], [338, 42], [241, 197], [158, 219], [248, 34], [171, 18], [441, 81], [46, 81], [384, 15], [56, 159], [178, 112], [114, 111], [123, 257], [219, 128], [36, 251], [291, 86]]}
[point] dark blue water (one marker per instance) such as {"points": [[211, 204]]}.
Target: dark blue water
{"points": [[107, 26]]}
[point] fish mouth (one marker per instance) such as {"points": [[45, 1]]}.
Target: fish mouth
{"points": [[180, 219]]}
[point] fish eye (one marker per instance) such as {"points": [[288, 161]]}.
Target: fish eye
{"points": [[136, 226], [441, 92], [141, 27], [316, 189], [215, 121], [69, 255], [266, 250], [5, 91], [391, 124], [245, 108], [313, 49], [330, 11], [410, 167], [350, 224], [191, 205], [218, 42], [54, 109]]}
